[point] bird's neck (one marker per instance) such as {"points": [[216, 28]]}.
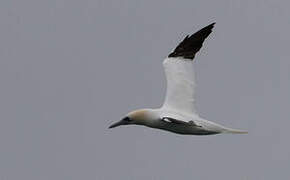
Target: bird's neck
{"points": [[147, 117]]}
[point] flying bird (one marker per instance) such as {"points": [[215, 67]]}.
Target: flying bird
{"points": [[178, 114]]}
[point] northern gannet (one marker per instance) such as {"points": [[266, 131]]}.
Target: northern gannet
{"points": [[178, 114]]}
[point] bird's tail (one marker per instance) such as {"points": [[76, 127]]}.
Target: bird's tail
{"points": [[234, 131]]}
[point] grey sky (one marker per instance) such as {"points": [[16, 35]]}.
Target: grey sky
{"points": [[69, 68]]}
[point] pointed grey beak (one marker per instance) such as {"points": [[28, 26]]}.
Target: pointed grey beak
{"points": [[119, 123], [124, 121]]}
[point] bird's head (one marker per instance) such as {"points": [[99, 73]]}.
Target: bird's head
{"points": [[139, 117]]}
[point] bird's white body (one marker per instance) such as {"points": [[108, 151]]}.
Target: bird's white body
{"points": [[178, 113], [188, 124]]}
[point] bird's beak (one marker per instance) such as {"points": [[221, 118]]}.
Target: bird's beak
{"points": [[119, 123]]}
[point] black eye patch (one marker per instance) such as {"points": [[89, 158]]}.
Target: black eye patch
{"points": [[127, 119]]}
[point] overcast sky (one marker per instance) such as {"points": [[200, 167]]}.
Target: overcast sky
{"points": [[70, 68]]}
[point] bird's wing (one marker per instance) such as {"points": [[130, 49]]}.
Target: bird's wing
{"points": [[180, 74], [176, 121]]}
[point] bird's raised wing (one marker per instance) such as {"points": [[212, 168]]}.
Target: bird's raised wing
{"points": [[180, 74]]}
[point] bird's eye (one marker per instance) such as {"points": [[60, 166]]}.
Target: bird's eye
{"points": [[127, 119]]}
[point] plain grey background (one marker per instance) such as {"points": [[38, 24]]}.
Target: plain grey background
{"points": [[70, 68]]}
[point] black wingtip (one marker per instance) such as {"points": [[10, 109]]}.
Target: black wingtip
{"points": [[192, 44], [210, 26]]}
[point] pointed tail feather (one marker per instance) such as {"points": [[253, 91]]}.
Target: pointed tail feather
{"points": [[235, 131]]}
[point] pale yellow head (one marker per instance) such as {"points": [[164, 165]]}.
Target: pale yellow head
{"points": [[139, 117]]}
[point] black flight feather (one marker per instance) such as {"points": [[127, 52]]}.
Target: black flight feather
{"points": [[192, 44]]}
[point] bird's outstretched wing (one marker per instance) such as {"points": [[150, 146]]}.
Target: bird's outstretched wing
{"points": [[176, 121], [180, 74]]}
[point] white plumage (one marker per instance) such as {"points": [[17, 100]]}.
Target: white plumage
{"points": [[180, 85], [178, 113]]}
